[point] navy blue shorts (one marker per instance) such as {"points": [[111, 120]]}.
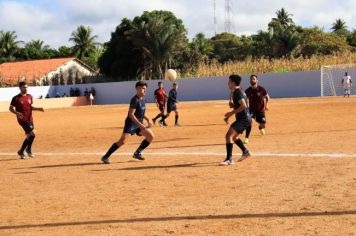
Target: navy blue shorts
{"points": [[131, 128], [241, 125], [171, 107]]}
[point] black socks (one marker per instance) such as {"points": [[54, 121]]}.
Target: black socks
{"points": [[142, 146], [241, 145], [112, 149], [248, 131], [229, 147]]}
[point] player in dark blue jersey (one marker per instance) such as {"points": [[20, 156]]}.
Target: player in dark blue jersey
{"points": [[134, 125], [172, 104], [243, 120]]}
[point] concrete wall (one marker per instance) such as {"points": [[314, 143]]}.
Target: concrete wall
{"points": [[278, 85]]}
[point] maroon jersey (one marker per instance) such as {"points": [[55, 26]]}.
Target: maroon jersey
{"points": [[23, 105], [161, 96], [255, 98]]}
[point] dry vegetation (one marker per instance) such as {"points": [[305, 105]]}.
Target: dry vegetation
{"points": [[275, 65]]}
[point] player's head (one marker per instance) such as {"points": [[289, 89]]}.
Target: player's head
{"points": [[253, 80], [141, 88], [23, 87], [234, 80], [160, 85], [175, 86], [346, 73]]}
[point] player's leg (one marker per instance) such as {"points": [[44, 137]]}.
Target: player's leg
{"points": [[158, 116], [148, 134], [123, 139], [31, 137], [261, 120], [348, 92], [169, 109], [229, 146], [28, 128], [239, 128], [176, 117], [249, 128]]}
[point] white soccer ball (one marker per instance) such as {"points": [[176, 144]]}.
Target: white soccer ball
{"points": [[170, 75]]}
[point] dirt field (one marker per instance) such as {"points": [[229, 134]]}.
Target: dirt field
{"points": [[301, 179]]}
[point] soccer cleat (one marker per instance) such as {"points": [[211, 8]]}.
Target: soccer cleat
{"points": [[22, 156], [138, 156], [262, 131], [246, 141], [177, 125], [29, 153], [161, 123], [245, 155], [227, 162], [105, 160], [165, 124]]}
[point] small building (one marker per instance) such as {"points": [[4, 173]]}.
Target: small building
{"points": [[61, 71]]}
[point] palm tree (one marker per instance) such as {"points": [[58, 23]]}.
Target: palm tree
{"points": [[8, 43], [202, 44], [37, 45], [283, 17], [158, 40], [339, 24], [84, 41]]}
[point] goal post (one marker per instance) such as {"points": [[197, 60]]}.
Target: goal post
{"points": [[331, 79]]}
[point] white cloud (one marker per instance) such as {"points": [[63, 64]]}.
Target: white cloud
{"points": [[53, 22]]}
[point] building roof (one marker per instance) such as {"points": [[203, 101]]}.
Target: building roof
{"points": [[30, 70]]}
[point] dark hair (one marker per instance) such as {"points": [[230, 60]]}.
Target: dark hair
{"points": [[22, 83], [235, 79], [174, 83], [159, 82], [140, 84], [253, 75]]}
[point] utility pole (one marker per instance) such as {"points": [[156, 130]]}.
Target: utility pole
{"points": [[228, 9]]}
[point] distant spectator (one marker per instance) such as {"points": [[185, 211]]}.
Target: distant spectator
{"points": [[57, 95], [77, 92], [92, 90], [86, 93], [47, 96], [71, 92], [40, 97], [64, 95]]}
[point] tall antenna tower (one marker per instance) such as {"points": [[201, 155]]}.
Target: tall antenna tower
{"points": [[228, 10], [215, 19]]}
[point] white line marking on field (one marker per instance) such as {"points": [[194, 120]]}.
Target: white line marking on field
{"points": [[259, 154]]}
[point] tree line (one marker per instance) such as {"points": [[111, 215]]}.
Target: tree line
{"points": [[144, 47]]}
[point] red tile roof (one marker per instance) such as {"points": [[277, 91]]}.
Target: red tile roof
{"points": [[13, 71]]}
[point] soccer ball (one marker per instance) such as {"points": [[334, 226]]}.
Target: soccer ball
{"points": [[170, 75]]}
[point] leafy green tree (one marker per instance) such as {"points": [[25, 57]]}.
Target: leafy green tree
{"points": [[339, 27], [202, 44], [8, 44], [84, 41], [64, 51]]}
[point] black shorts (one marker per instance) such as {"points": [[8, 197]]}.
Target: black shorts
{"points": [[27, 126], [161, 107], [171, 107], [132, 128], [259, 117], [240, 125]]}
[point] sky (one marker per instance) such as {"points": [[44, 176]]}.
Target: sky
{"points": [[53, 21]]}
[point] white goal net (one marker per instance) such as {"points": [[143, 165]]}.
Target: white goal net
{"points": [[331, 79]]}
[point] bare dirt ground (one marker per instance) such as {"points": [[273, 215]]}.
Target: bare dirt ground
{"points": [[301, 179]]}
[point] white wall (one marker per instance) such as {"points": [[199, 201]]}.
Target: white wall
{"points": [[298, 84]]}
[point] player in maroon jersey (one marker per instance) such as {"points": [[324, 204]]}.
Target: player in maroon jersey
{"points": [[160, 99], [21, 106], [257, 104]]}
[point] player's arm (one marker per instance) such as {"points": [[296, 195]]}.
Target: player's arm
{"points": [[231, 103], [12, 109], [242, 107], [173, 97], [156, 101], [149, 121], [265, 101], [342, 81], [37, 108], [135, 120]]}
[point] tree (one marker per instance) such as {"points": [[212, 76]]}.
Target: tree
{"points": [[84, 41], [315, 42], [38, 45], [159, 35], [202, 44], [283, 18], [64, 51], [351, 39], [339, 27], [8, 43], [229, 46]]}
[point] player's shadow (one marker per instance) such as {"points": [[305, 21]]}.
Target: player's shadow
{"points": [[63, 165], [189, 146], [182, 218], [189, 165], [201, 125], [313, 132]]}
